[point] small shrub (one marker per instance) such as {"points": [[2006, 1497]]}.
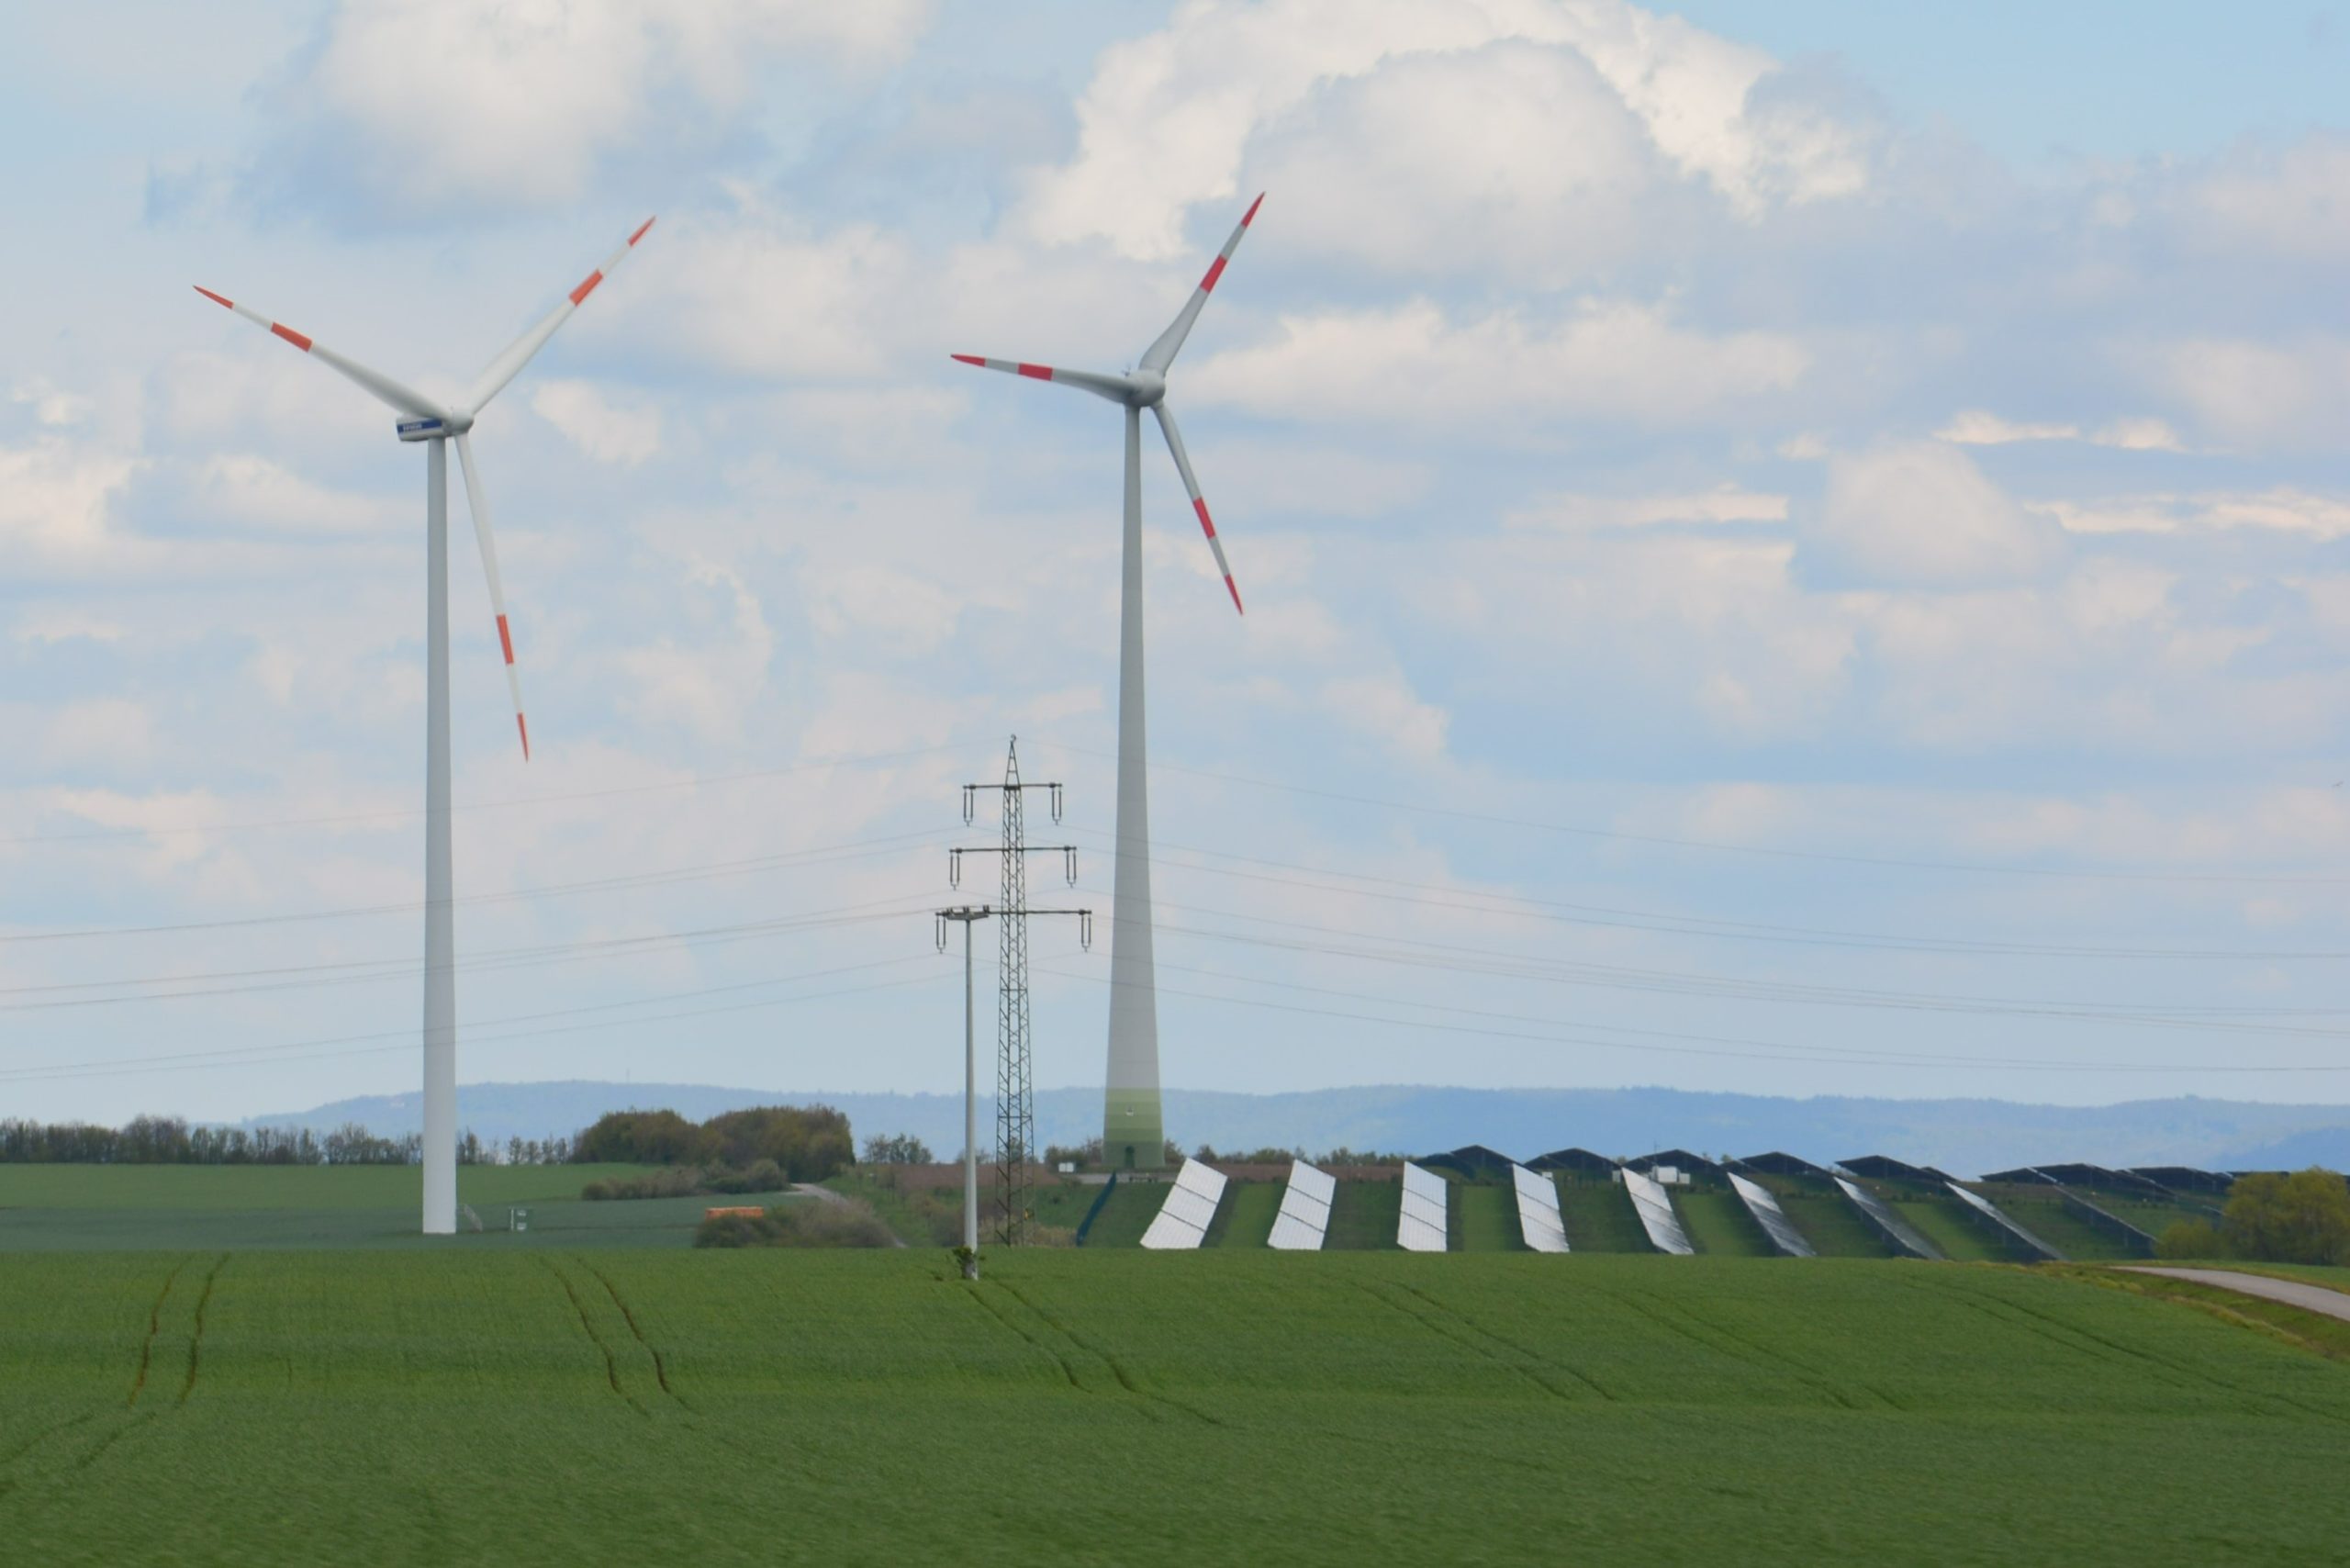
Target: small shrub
{"points": [[598, 1191], [807, 1223]]}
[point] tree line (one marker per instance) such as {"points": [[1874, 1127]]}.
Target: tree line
{"points": [[808, 1143], [2272, 1217], [171, 1140]]}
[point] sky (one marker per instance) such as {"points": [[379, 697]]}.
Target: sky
{"points": [[1795, 549]]}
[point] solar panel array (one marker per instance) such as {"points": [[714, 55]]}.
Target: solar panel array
{"points": [[1183, 1220], [1655, 1209], [1304, 1218], [1764, 1206], [1895, 1229], [1538, 1211], [1982, 1206], [1420, 1228]]}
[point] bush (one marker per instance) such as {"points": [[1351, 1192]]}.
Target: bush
{"points": [[805, 1222], [2301, 1219], [762, 1176], [640, 1137], [2190, 1238]]}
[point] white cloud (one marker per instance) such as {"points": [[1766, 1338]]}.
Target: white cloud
{"points": [[1726, 503], [469, 104], [2282, 509], [101, 732], [1610, 361], [243, 490], [54, 501], [1387, 710], [710, 688], [2261, 395], [1923, 514], [53, 406], [625, 431], [1975, 426], [2291, 203], [1169, 120]]}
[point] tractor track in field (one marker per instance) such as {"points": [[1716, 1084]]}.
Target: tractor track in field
{"points": [[2182, 1374], [1761, 1354], [1469, 1337], [1117, 1368], [195, 1341], [154, 1326], [587, 1327], [660, 1367], [1674, 1318], [1069, 1372]]}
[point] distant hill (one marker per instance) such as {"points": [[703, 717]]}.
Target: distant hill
{"points": [[1964, 1135]]}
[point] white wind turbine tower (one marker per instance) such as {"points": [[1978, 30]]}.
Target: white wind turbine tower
{"points": [[1133, 1126], [422, 420]]}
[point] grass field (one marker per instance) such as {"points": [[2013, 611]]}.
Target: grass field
{"points": [[1484, 1218], [633, 1407], [80, 1208], [1599, 1218], [1245, 1218], [1941, 1221], [1716, 1222], [1363, 1216]]}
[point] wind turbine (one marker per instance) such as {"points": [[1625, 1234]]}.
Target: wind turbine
{"points": [[422, 420], [1132, 1124]]}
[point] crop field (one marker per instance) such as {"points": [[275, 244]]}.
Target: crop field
{"points": [[80, 1208], [721, 1407], [1484, 1218]]}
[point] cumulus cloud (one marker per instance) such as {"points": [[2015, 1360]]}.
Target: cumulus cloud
{"points": [[1610, 361], [1978, 427], [1726, 503], [428, 106], [626, 431], [1923, 514], [2282, 509], [2259, 394], [1387, 710], [1171, 120], [2294, 202]]}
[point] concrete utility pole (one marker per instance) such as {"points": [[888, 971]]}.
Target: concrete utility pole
{"points": [[967, 916]]}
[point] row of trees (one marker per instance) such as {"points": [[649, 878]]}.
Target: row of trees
{"points": [[170, 1140], [2273, 1218], [809, 1143]]}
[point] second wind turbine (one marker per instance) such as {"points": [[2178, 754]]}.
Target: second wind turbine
{"points": [[1134, 1130]]}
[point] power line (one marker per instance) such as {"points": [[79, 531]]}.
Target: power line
{"points": [[1971, 868], [814, 855], [695, 782]]}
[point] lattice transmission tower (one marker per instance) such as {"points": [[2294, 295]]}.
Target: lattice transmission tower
{"points": [[1016, 1093]]}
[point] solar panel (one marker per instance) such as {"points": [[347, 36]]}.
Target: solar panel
{"points": [[1655, 1209], [1420, 1227], [1183, 1220], [1764, 1206], [1983, 1205], [1538, 1211], [1894, 1228], [1305, 1219]]}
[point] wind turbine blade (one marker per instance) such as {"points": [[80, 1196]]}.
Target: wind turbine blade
{"points": [[478, 503], [1161, 354], [1191, 487], [519, 353], [1115, 387], [415, 404]]}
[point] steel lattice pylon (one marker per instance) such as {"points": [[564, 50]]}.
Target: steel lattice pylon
{"points": [[1015, 1100], [1015, 1094]]}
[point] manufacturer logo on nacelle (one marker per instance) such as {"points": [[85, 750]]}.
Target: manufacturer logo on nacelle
{"points": [[422, 430]]}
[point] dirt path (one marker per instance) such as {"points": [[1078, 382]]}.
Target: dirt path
{"points": [[2292, 1292]]}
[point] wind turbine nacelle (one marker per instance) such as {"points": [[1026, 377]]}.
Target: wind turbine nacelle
{"points": [[424, 429]]}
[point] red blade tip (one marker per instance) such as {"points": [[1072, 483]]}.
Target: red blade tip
{"points": [[1235, 595], [969, 359], [1250, 215], [217, 299], [641, 228], [526, 736]]}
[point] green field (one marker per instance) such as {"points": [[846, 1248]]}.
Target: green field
{"points": [[628, 1407], [1245, 1218], [80, 1207], [1599, 1217], [1716, 1222], [1941, 1221], [1484, 1218], [1363, 1216]]}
